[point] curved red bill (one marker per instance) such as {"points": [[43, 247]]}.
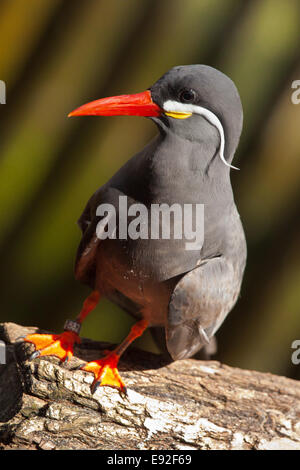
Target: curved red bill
{"points": [[139, 104]]}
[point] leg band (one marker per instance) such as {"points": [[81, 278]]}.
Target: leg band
{"points": [[72, 325]]}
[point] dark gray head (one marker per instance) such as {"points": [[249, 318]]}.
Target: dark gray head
{"points": [[195, 102], [200, 103]]}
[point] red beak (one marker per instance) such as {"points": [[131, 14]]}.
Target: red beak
{"points": [[140, 104]]}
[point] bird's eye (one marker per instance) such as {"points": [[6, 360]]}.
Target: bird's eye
{"points": [[187, 95]]}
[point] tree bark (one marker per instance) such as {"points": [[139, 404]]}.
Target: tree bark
{"points": [[187, 404]]}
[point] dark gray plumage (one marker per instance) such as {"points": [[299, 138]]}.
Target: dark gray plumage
{"points": [[187, 293]]}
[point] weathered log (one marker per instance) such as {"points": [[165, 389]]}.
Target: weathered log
{"points": [[187, 404]]}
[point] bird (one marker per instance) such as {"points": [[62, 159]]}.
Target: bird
{"points": [[183, 295]]}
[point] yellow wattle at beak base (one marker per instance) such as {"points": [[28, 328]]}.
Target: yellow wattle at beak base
{"points": [[178, 115]]}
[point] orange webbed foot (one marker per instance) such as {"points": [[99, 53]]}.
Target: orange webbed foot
{"points": [[61, 345], [106, 373]]}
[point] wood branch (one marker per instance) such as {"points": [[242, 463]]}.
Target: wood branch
{"points": [[187, 404]]}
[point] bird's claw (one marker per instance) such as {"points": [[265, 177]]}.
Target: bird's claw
{"points": [[106, 373], [61, 345], [20, 338], [34, 355]]}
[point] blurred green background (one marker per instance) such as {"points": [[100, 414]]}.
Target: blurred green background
{"points": [[59, 54]]}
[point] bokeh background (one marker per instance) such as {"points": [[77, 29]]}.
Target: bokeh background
{"points": [[58, 54]]}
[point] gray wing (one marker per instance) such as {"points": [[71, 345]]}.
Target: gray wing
{"points": [[85, 264], [199, 304]]}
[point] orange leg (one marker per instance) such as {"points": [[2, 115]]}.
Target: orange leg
{"points": [[62, 345], [105, 370]]}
